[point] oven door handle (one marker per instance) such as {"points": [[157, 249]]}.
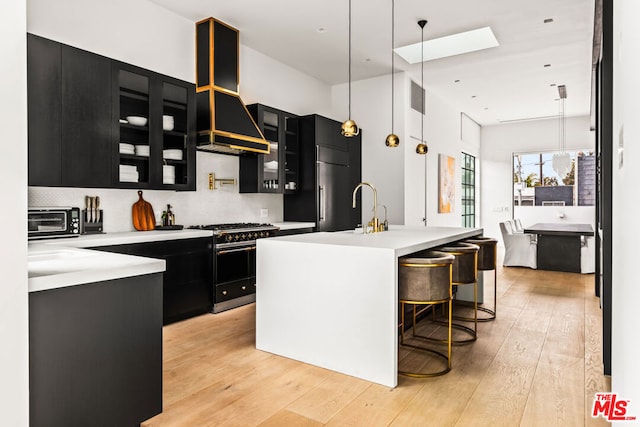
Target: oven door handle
{"points": [[230, 251]]}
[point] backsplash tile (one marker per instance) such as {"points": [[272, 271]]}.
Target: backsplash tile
{"points": [[204, 206]]}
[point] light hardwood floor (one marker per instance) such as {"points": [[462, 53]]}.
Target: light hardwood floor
{"points": [[538, 364]]}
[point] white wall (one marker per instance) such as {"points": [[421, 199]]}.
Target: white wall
{"points": [[499, 142], [382, 166], [14, 356], [625, 375], [442, 124], [154, 38]]}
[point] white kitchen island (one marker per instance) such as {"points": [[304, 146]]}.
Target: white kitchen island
{"points": [[331, 299]]}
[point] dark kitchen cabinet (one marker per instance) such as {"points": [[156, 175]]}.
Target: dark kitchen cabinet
{"points": [[278, 171], [78, 104], [95, 353], [164, 146], [188, 278], [69, 101], [330, 168]]}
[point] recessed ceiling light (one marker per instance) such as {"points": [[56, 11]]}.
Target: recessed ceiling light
{"points": [[486, 108], [548, 20], [367, 60], [552, 84], [473, 96], [321, 30], [455, 44], [547, 65], [456, 81]]}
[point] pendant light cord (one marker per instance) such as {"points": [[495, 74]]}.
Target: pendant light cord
{"points": [[393, 21], [422, 81], [349, 59]]}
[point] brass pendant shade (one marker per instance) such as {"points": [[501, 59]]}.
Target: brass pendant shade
{"points": [[392, 139], [349, 128], [422, 148]]}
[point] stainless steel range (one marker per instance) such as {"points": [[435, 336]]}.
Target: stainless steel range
{"points": [[234, 262]]}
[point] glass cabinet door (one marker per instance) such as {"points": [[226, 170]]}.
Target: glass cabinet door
{"points": [[174, 134], [290, 153], [134, 142], [270, 163]]}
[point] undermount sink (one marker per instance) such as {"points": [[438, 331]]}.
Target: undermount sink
{"points": [[55, 255], [49, 262]]}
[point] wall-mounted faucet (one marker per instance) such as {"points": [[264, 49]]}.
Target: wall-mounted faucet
{"points": [[374, 223]]}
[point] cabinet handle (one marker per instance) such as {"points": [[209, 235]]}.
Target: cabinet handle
{"points": [[244, 288], [224, 292], [322, 205]]}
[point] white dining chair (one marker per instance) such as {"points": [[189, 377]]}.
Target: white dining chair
{"points": [[520, 249]]}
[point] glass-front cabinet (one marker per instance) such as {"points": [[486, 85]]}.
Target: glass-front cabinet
{"points": [[276, 172], [155, 117], [133, 125]]}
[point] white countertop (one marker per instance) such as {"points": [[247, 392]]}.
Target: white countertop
{"points": [[56, 263], [52, 266], [123, 238], [400, 238], [292, 225], [348, 283]]}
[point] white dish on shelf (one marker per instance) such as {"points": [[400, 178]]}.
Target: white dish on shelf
{"points": [[142, 150], [123, 121], [168, 171], [272, 165], [172, 154], [137, 120], [168, 179], [167, 123]]}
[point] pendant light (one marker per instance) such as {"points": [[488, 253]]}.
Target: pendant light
{"points": [[422, 148], [392, 139], [349, 128], [561, 161]]}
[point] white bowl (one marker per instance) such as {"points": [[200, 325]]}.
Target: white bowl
{"points": [[168, 179], [137, 120], [167, 126], [168, 170]]}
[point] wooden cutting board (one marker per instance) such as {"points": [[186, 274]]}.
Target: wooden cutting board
{"points": [[142, 214]]}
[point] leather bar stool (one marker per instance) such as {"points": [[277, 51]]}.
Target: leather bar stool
{"points": [[425, 280], [487, 260], [464, 271]]}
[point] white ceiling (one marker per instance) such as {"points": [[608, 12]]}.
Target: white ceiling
{"points": [[509, 82]]}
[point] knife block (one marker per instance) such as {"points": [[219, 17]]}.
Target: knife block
{"points": [[91, 227]]}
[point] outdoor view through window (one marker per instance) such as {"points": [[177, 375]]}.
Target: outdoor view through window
{"points": [[535, 183]]}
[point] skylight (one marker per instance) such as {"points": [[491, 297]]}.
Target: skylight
{"points": [[455, 44]]}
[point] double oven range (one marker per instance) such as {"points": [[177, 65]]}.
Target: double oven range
{"points": [[234, 262]]}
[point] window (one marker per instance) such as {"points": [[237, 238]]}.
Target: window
{"points": [[535, 183], [468, 190]]}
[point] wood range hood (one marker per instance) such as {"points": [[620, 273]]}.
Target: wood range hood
{"points": [[224, 124]]}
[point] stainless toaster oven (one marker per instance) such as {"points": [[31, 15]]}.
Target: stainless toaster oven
{"points": [[48, 222]]}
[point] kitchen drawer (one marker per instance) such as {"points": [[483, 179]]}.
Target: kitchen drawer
{"points": [[228, 291]]}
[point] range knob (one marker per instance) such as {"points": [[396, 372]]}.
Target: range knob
{"points": [[236, 237], [243, 237], [229, 238], [255, 235]]}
